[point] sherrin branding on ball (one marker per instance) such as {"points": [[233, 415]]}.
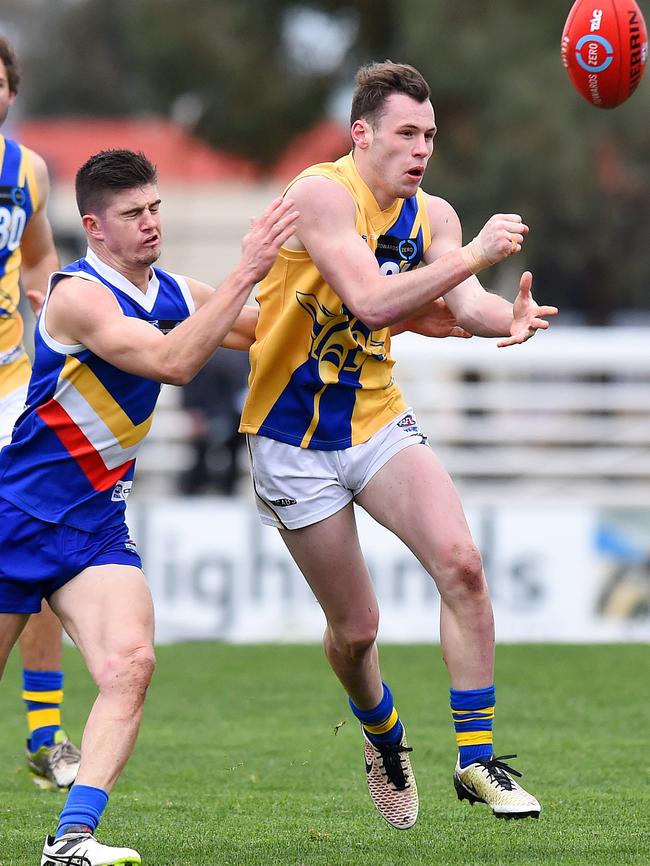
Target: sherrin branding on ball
{"points": [[605, 50]]}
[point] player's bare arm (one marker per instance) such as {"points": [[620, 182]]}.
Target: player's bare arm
{"points": [[39, 256], [326, 228], [80, 311], [480, 312], [435, 319], [242, 334]]}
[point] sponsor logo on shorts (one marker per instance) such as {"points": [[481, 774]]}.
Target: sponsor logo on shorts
{"points": [[284, 502], [409, 423], [130, 545], [121, 491]]}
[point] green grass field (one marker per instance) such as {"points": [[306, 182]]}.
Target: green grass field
{"points": [[238, 762]]}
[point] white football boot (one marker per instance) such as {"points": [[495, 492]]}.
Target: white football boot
{"points": [[82, 849], [391, 782], [491, 782], [56, 765]]}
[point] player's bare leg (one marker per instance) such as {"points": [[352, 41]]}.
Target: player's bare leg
{"points": [[108, 612], [52, 758], [329, 555], [40, 642], [413, 496], [330, 558], [11, 625]]}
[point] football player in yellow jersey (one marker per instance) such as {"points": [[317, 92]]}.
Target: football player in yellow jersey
{"points": [[327, 426], [27, 248]]}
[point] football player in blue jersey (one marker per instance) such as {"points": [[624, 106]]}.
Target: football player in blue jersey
{"points": [[27, 251], [112, 328]]}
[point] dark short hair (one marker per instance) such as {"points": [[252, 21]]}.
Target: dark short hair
{"points": [[10, 60], [375, 82], [111, 171]]}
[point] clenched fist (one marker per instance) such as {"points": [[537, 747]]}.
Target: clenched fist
{"points": [[501, 236]]}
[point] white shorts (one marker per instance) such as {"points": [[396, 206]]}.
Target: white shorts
{"points": [[11, 407], [295, 487]]}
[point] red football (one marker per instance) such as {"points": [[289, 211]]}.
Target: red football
{"points": [[605, 50]]}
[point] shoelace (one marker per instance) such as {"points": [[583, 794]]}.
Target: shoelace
{"points": [[392, 764], [500, 772], [64, 754]]}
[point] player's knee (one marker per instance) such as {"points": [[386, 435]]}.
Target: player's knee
{"points": [[128, 672], [462, 572], [354, 639], [143, 662]]}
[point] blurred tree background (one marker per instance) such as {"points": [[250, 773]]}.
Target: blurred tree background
{"points": [[248, 75]]}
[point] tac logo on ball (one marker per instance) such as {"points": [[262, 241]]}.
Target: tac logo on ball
{"points": [[605, 50]]}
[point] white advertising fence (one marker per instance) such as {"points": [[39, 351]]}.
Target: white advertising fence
{"points": [[557, 573]]}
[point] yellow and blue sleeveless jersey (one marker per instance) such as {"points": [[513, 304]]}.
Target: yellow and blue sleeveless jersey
{"points": [[320, 378], [72, 455], [18, 201]]}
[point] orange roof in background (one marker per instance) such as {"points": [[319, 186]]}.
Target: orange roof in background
{"points": [[66, 144], [324, 142]]}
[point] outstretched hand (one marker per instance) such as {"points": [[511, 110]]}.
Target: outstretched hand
{"points": [[265, 237], [526, 314]]}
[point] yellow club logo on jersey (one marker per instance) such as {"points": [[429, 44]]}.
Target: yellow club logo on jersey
{"points": [[334, 336]]}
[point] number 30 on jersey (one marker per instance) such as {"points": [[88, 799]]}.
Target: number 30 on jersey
{"points": [[12, 225]]}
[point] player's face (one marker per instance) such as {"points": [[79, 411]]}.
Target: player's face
{"points": [[401, 143], [130, 226], [6, 96]]}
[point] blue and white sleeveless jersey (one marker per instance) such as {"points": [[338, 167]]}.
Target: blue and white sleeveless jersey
{"points": [[72, 456]]}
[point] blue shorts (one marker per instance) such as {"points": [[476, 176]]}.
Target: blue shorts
{"points": [[37, 557]]}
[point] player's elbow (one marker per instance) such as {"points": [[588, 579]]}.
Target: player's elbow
{"points": [[378, 318], [177, 375], [374, 320], [466, 316], [170, 364], [175, 372], [372, 313]]}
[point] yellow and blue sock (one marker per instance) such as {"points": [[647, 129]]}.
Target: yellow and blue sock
{"points": [[473, 714], [382, 724], [43, 694], [82, 811]]}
